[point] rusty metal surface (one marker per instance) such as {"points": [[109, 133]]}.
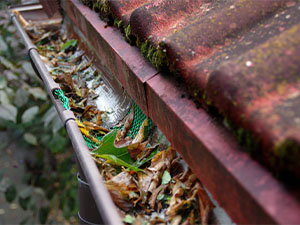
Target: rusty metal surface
{"points": [[122, 60], [249, 194], [243, 187]]}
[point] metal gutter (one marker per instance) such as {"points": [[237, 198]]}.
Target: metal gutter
{"points": [[245, 189], [101, 196]]}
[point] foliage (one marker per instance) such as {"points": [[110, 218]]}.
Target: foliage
{"points": [[68, 44], [29, 118], [119, 156], [166, 178]]}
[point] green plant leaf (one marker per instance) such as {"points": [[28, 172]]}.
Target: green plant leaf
{"points": [[128, 219], [8, 112], [11, 193], [30, 138], [6, 63], [21, 97], [160, 197], [70, 43], [140, 163], [3, 82], [107, 147], [25, 197], [114, 155], [166, 178], [30, 114], [4, 97], [38, 93], [119, 162]]}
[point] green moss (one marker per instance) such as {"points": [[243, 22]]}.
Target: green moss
{"points": [[244, 137], [105, 7], [118, 23], [97, 6], [287, 149], [127, 31], [160, 59], [144, 48]]}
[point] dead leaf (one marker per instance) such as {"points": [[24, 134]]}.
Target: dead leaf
{"points": [[127, 125], [142, 134]]}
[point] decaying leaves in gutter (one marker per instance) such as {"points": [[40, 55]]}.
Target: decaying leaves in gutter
{"points": [[150, 185]]}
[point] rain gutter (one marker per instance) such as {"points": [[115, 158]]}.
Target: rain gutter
{"points": [[101, 195], [245, 189]]}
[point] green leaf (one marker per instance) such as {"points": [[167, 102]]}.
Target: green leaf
{"points": [[30, 138], [24, 202], [160, 197], [166, 178], [6, 63], [70, 43], [28, 68], [107, 147], [114, 160], [11, 193], [3, 45], [140, 163], [21, 97], [8, 112], [3, 82], [114, 155], [30, 114], [4, 97], [128, 219], [38, 93]]}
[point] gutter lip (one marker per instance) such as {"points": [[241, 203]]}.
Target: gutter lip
{"points": [[249, 192], [105, 205]]}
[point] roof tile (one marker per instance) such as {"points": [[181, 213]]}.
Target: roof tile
{"points": [[242, 54]]}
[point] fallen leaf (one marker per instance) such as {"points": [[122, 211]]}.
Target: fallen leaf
{"points": [[128, 219], [143, 132], [166, 178], [70, 43], [127, 125]]}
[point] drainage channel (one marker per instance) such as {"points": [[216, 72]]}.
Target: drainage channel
{"points": [[124, 160]]}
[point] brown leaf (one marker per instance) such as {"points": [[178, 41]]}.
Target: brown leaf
{"points": [[127, 125], [206, 205], [136, 149], [92, 126], [141, 135], [152, 200], [98, 118]]}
